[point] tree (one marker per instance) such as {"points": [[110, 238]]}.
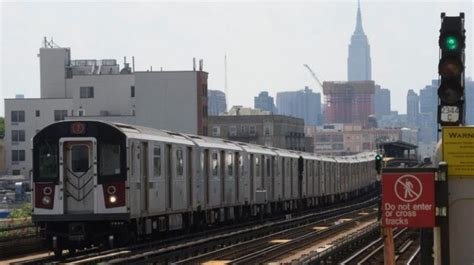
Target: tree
{"points": [[2, 127], [24, 211]]}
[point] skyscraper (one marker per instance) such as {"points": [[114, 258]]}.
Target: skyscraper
{"points": [[381, 102], [216, 102], [264, 102], [429, 113], [413, 108], [359, 62], [469, 105], [348, 102], [303, 104]]}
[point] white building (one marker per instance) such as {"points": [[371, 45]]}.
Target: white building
{"points": [[99, 89]]}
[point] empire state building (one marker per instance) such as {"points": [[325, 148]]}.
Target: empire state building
{"points": [[358, 62]]}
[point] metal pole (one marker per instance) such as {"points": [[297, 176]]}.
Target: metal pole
{"points": [[442, 214]]}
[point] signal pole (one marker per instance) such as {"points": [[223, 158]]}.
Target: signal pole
{"points": [[451, 112]]}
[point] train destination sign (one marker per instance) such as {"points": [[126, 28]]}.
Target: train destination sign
{"points": [[408, 198], [458, 151]]}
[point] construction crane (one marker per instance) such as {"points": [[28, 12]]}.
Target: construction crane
{"points": [[314, 76]]}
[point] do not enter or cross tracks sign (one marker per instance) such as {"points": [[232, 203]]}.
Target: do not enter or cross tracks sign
{"points": [[408, 197]]}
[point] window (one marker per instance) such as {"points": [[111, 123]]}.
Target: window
{"points": [[59, 115], [18, 135], [216, 131], [81, 112], [18, 116], [267, 130], [132, 91], [215, 164], [253, 130], [87, 92], [18, 155], [204, 111], [204, 90], [16, 172], [48, 160], [179, 162], [157, 161], [257, 167], [232, 131], [109, 159], [80, 158], [37, 113], [267, 163], [204, 130], [230, 164]]}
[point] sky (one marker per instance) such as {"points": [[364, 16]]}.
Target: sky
{"points": [[266, 43]]}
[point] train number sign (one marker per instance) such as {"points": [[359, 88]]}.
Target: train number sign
{"points": [[408, 199]]}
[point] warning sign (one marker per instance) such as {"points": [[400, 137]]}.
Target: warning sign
{"points": [[408, 199], [458, 151]]}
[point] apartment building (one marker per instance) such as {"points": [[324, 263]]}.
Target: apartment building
{"points": [[101, 89]]}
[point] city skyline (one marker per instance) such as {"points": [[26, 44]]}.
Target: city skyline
{"points": [[265, 51]]}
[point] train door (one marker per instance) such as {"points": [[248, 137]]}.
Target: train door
{"points": [[144, 177], [273, 176], [283, 178], [168, 176], [135, 173], [222, 176], [189, 178], [237, 172], [252, 173], [79, 158], [206, 171], [291, 175]]}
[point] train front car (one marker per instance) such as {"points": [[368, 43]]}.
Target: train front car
{"points": [[79, 175]]}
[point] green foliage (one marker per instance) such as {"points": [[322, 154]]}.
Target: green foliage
{"points": [[2, 127], [24, 211]]}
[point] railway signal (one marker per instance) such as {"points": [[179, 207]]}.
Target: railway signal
{"points": [[378, 163], [451, 70]]}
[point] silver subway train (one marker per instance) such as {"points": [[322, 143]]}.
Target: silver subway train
{"points": [[97, 181]]}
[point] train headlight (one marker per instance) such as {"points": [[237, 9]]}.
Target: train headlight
{"points": [[46, 200], [112, 199]]}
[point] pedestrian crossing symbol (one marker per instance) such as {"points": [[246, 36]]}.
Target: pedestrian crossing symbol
{"points": [[408, 188]]}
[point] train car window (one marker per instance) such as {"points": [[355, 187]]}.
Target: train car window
{"points": [[268, 164], [215, 164], [157, 161], [179, 162], [48, 160], [202, 161], [79, 158], [109, 158], [241, 165], [230, 164], [257, 166]]}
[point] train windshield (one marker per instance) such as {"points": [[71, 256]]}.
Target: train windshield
{"points": [[48, 160], [109, 158]]}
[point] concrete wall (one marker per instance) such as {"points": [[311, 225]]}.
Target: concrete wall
{"points": [[167, 100], [112, 93], [53, 62]]}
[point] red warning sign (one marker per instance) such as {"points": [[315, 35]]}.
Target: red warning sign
{"points": [[408, 199]]}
